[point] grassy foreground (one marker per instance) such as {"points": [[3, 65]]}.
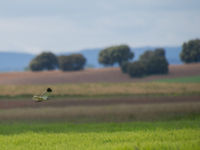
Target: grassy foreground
{"points": [[168, 135]]}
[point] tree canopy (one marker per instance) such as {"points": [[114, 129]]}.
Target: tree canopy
{"points": [[155, 61], [190, 51], [151, 62], [115, 54], [44, 61], [71, 62], [136, 69]]}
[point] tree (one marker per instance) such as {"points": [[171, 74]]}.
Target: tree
{"points": [[151, 62], [136, 69], [71, 62], [155, 62], [115, 54], [158, 52], [124, 67], [35, 66], [156, 65], [191, 51], [146, 55], [44, 61], [105, 58]]}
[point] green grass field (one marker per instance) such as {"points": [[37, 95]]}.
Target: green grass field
{"points": [[192, 79], [167, 135]]}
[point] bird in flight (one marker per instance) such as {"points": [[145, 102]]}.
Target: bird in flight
{"points": [[43, 97]]}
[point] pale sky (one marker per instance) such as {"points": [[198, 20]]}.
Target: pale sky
{"points": [[71, 25]]}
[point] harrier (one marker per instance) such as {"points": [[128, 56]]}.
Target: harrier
{"points": [[43, 97]]}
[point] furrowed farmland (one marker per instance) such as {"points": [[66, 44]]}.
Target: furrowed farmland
{"points": [[151, 113]]}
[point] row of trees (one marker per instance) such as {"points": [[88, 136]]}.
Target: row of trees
{"points": [[151, 62], [49, 61]]}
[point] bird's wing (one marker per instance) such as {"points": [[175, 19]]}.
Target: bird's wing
{"points": [[45, 95], [37, 98]]}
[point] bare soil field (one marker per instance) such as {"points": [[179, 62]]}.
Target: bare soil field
{"points": [[89, 110], [92, 75], [28, 103]]}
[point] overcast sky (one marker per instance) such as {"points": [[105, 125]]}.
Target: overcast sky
{"points": [[71, 25]]}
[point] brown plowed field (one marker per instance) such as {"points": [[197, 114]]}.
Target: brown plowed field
{"points": [[9, 104], [98, 110], [91, 75]]}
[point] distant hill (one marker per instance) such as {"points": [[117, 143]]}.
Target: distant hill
{"points": [[13, 61]]}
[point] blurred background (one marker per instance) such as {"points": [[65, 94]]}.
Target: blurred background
{"points": [[63, 27]]}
